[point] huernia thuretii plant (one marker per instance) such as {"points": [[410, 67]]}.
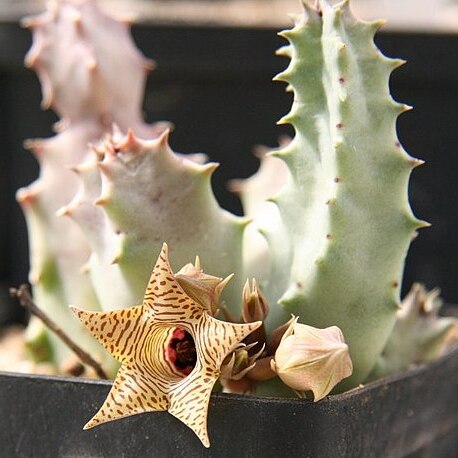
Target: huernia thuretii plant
{"points": [[328, 230]]}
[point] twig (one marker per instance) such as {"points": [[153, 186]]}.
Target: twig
{"points": [[25, 299]]}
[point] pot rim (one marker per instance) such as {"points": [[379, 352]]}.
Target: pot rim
{"points": [[451, 353]]}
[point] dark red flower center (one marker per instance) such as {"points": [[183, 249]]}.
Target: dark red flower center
{"points": [[181, 351]]}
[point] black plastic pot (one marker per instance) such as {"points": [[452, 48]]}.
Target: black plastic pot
{"points": [[412, 414]]}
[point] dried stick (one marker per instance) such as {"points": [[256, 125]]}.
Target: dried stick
{"points": [[25, 299]]}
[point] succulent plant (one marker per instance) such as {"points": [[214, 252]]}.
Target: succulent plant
{"points": [[266, 225], [85, 85], [344, 211], [129, 203], [56, 263], [330, 219], [418, 335], [82, 79], [120, 189]]}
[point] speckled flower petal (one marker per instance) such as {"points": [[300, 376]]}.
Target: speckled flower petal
{"points": [[142, 338]]}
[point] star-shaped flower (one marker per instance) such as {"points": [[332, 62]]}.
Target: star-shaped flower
{"points": [[170, 350]]}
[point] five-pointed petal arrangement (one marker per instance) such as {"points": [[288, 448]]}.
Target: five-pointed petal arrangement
{"points": [[170, 350]]}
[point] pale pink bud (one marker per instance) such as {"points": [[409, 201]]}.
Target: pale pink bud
{"points": [[312, 359]]}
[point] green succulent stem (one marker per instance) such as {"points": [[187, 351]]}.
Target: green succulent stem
{"points": [[345, 207]]}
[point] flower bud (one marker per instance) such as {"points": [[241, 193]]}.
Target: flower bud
{"points": [[203, 288], [255, 306], [311, 359], [239, 362]]}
